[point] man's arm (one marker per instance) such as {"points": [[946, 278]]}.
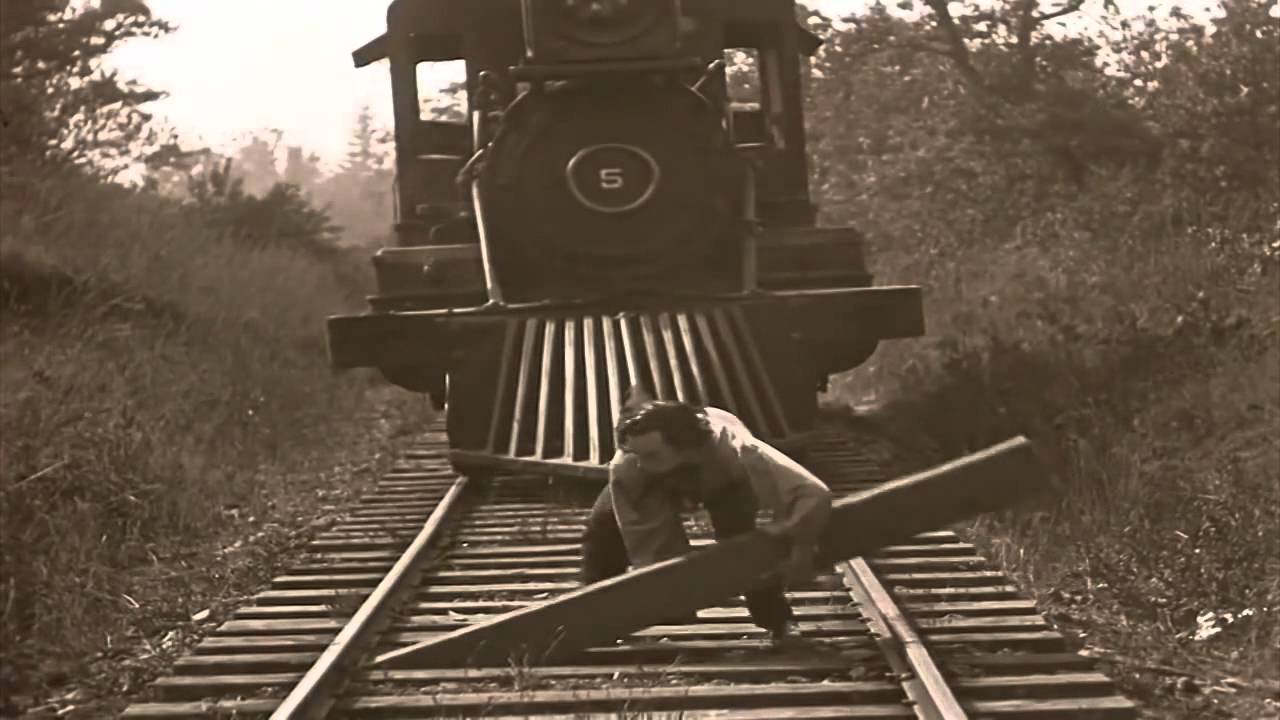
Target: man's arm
{"points": [[806, 500], [650, 526]]}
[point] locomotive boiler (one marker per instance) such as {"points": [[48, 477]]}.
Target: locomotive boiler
{"points": [[616, 208]]}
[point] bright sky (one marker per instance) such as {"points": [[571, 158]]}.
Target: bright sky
{"points": [[239, 66]]}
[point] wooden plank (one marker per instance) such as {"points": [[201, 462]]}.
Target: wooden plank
{"points": [[1014, 662], [302, 582], [1053, 685], [631, 353], [438, 591], [636, 699], [950, 579], [544, 388], [504, 379], [530, 549], [613, 371], [296, 597], [729, 401], [571, 388], [506, 517], [673, 358], [859, 650], [927, 563], [753, 355], [559, 468], [739, 669], [598, 613], [259, 708], [1112, 707], [1044, 640], [594, 445], [255, 612], [194, 687], [982, 624], [222, 709], [979, 607], [812, 626], [761, 422], [468, 577], [246, 663], [691, 351], [650, 337], [522, 384], [878, 711]]}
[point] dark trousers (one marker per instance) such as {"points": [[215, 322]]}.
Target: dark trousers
{"points": [[732, 513]]}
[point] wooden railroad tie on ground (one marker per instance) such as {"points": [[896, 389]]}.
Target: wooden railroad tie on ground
{"points": [[860, 524]]}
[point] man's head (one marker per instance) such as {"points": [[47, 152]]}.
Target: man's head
{"points": [[663, 434]]}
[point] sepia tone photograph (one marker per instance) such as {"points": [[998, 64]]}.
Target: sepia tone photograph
{"points": [[646, 359]]}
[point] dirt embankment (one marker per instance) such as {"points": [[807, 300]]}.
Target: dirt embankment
{"points": [[1151, 387], [169, 427]]}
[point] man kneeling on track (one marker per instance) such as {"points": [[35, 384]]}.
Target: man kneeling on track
{"points": [[672, 454]]}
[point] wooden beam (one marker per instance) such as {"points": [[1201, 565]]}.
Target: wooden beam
{"points": [[859, 524]]}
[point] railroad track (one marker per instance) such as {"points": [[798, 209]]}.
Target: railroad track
{"points": [[922, 630]]}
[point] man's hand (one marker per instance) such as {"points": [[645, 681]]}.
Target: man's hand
{"points": [[777, 530]]}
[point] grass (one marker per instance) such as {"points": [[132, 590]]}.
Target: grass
{"points": [[1143, 359], [162, 385]]}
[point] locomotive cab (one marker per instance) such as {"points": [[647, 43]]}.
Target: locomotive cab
{"points": [[624, 199]]}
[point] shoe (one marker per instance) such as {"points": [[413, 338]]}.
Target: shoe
{"points": [[785, 635]]}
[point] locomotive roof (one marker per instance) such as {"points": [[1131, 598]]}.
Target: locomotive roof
{"points": [[448, 17]]}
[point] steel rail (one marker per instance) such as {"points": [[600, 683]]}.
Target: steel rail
{"points": [[517, 548], [928, 692], [312, 697]]}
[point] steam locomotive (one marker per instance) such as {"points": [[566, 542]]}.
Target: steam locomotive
{"points": [[617, 208]]}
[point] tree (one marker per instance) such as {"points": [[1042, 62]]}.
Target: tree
{"points": [[256, 162], [1215, 93], [359, 195], [280, 216], [302, 169], [448, 105], [170, 167], [58, 101], [363, 158], [1022, 83]]}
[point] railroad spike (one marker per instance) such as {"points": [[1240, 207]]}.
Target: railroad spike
{"points": [[988, 480]]}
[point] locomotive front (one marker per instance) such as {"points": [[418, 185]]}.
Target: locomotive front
{"points": [[611, 174], [609, 214]]}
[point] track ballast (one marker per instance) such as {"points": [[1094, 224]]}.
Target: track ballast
{"points": [[923, 630]]}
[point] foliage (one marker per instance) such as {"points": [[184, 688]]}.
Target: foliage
{"points": [[163, 348], [60, 104], [1094, 220], [279, 217], [271, 196], [255, 163], [448, 105], [157, 371], [1215, 93], [359, 194], [978, 143]]}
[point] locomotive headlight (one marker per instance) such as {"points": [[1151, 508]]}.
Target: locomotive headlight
{"points": [[581, 30], [604, 22], [596, 10]]}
